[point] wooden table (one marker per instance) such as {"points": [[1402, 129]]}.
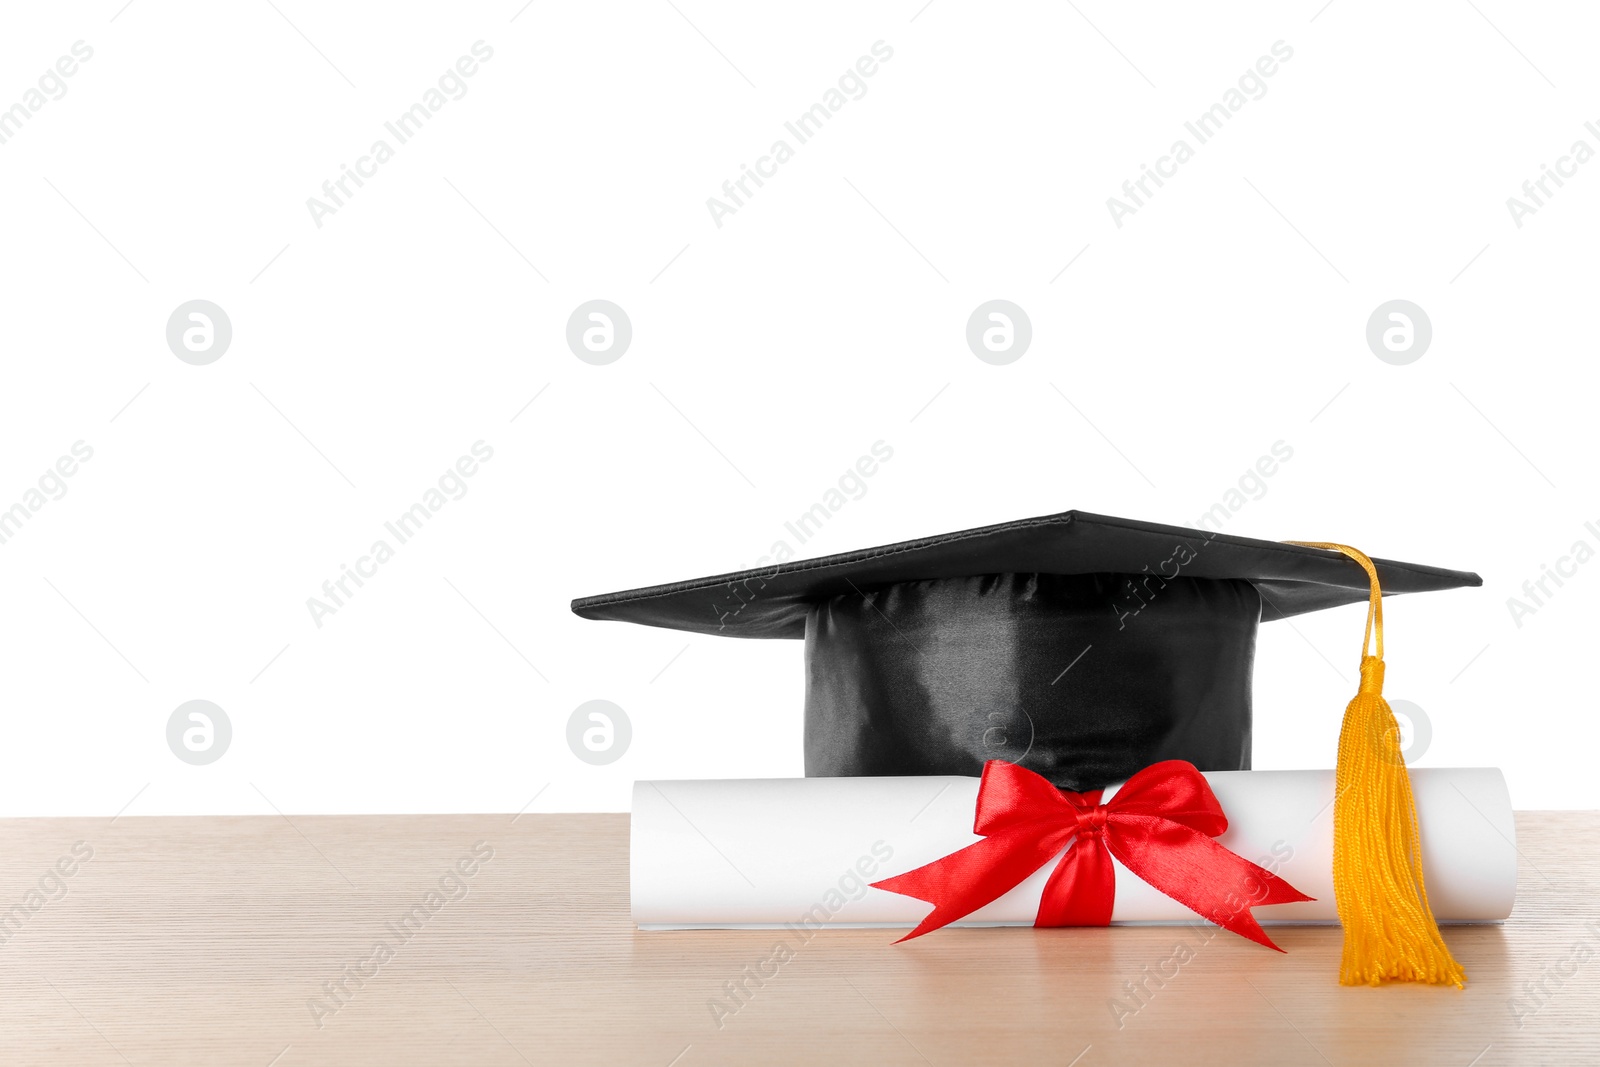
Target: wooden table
{"points": [[251, 941]]}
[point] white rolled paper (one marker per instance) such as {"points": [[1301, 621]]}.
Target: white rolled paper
{"points": [[769, 853]]}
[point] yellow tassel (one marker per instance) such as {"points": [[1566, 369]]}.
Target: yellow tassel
{"points": [[1390, 934]]}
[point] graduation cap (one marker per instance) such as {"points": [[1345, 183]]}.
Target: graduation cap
{"points": [[1084, 648]]}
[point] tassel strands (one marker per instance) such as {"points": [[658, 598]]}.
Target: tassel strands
{"points": [[1390, 934]]}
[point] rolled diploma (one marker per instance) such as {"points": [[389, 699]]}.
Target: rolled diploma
{"points": [[766, 853]]}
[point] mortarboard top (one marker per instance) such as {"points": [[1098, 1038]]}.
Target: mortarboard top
{"points": [[775, 601]]}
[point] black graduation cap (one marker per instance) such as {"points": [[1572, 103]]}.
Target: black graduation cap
{"points": [[1081, 646]]}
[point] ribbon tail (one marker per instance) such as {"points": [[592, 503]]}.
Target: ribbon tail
{"points": [[1081, 889], [964, 881], [1199, 873]]}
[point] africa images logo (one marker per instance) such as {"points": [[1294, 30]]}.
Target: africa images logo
{"points": [[451, 85], [1251, 85]]}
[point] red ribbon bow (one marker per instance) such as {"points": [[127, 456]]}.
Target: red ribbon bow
{"points": [[1160, 825]]}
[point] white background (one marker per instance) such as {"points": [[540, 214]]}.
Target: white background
{"points": [[827, 314]]}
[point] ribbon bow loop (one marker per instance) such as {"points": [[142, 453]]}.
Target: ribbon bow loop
{"points": [[1160, 825], [1010, 797], [1176, 791]]}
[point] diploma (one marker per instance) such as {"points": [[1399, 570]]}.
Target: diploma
{"points": [[770, 853]]}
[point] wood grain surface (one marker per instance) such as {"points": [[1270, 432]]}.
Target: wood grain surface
{"points": [[252, 941]]}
